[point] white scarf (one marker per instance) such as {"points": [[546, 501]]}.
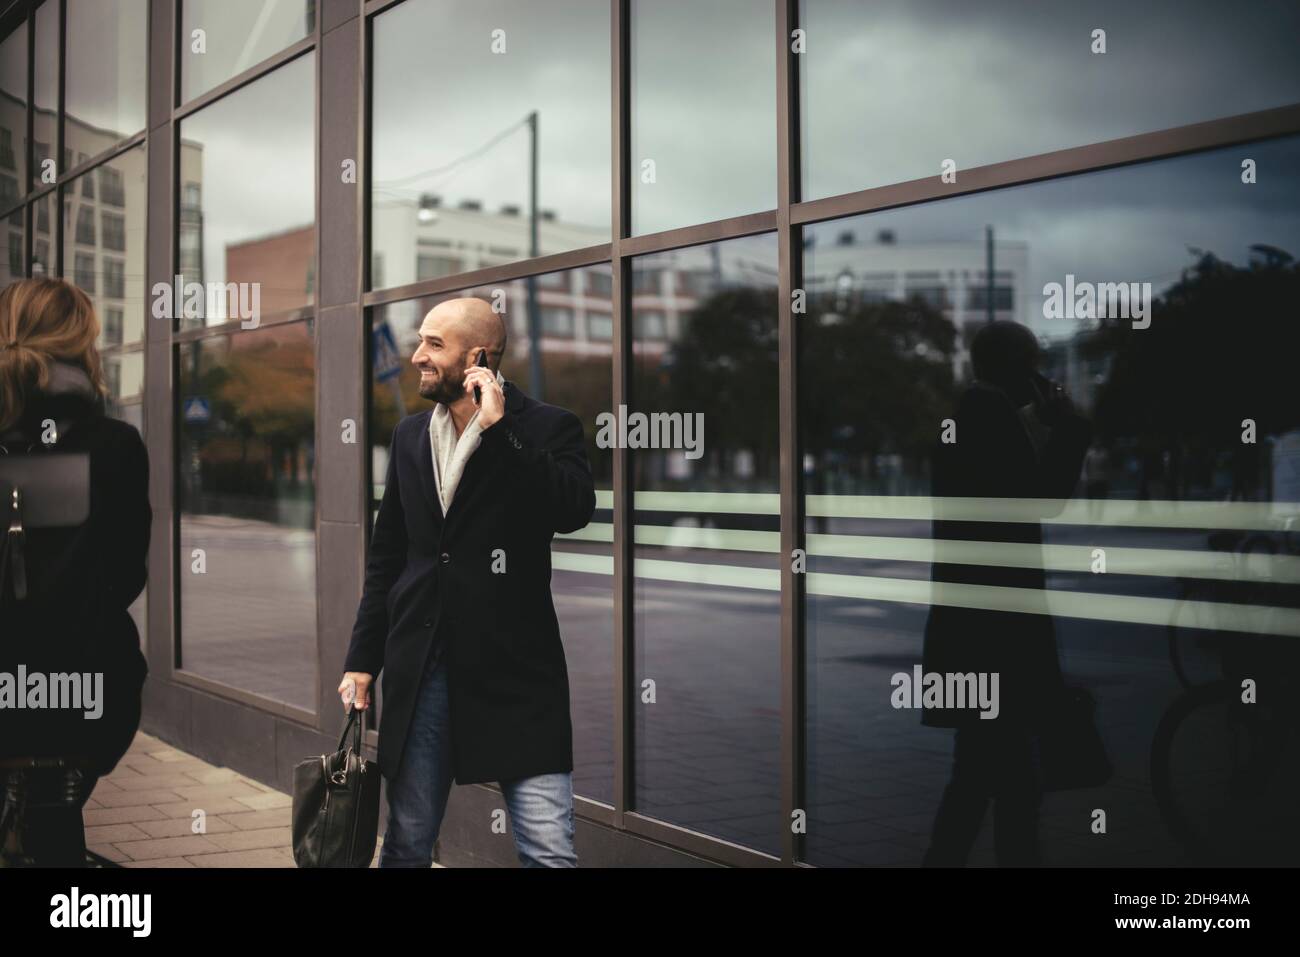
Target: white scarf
{"points": [[449, 453]]}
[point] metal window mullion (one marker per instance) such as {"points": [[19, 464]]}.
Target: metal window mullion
{"points": [[624, 781], [56, 214], [791, 531], [29, 148]]}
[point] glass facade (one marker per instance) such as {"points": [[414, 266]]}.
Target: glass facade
{"points": [[1132, 568], [700, 158], [806, 244], [105, 76], [223, 38], [488, 152], [247, 197], [247, 541], [706, 592]]}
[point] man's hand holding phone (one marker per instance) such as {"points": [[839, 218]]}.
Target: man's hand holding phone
{"points": [[355, 689], [491, 401]]}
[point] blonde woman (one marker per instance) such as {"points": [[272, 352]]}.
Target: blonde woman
{"points": [[69, 616]]}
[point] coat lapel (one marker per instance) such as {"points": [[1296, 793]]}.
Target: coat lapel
{"points": [[424, 467], [479, 466]]}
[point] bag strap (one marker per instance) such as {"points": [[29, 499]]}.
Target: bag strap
{"points": [[356, 723]]}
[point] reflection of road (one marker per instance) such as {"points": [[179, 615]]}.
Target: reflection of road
{"points": [[249, 620], [875, 775], [584, 605], [707, 751]]}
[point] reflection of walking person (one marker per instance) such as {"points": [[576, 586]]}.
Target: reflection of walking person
{"points": [[1018, 436]]}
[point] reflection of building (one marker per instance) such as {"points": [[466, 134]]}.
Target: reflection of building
{"points": [[189, 227], [951, 277], [13, 120], [450, 240], [283, 264], [573, 306]]}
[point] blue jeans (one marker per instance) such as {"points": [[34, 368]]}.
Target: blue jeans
{"points": [[540, 807]]}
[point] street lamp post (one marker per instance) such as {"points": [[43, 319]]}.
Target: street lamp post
{"points": [[534, 320]]}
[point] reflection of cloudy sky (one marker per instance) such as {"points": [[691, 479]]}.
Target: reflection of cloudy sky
{"points": [[704, 109], [257, 155], [13, 64], [440, 94], [1133, 224], [894, 87], [106, 63], [238, 34]]}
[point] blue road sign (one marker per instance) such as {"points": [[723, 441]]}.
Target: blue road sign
{"points": [[383, 347], [197, 410]]}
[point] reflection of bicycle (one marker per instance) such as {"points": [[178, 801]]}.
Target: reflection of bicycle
{"points": [[1226, 773]]}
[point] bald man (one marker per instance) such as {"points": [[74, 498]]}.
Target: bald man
{"points": [[456, 612]]}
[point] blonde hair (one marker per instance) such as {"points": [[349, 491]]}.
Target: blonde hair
{"points": [[43, 320]]}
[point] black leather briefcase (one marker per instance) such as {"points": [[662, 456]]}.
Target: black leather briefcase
{"points": [[336, 804]]}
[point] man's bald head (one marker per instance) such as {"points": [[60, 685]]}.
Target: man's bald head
{"points": [[470, 324], [451, 335]]}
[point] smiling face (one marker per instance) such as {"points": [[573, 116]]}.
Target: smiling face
{"points": [[441, 355], [450, 337]]}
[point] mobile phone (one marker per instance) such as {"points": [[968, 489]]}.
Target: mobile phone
{"points": [[482, 362]]}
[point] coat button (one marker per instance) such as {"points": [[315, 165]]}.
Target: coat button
{"points": [[428, 623], [444, 558]]}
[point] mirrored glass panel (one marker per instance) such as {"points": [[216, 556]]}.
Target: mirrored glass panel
{"points": [[124, 376], [892, 89], [106, 74], [246, 204], [1076, 469], [13, 116], [45, 225], [703, 438], [46, 92], [703, 78], [481, 112], [11, 265], [245, 483], [223, 38], [567, 361], [104, 210]]}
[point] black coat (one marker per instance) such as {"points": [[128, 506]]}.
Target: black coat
{"points": [[430, 582], [82, 582], [995, 457]]}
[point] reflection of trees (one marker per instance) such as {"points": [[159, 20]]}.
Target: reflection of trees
{"points": [[875, 381], [262, 397], [1221, 347], [723, 364]]}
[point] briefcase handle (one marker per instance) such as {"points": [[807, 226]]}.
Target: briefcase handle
{"points": [[356, 723]]}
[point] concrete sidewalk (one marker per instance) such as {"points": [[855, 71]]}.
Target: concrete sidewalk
{"points": [[143, 814]]}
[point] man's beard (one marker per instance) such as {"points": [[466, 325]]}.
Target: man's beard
{"points": [[442, 389]]}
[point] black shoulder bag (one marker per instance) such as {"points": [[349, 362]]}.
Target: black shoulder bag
{"points": [[336, 804]]}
